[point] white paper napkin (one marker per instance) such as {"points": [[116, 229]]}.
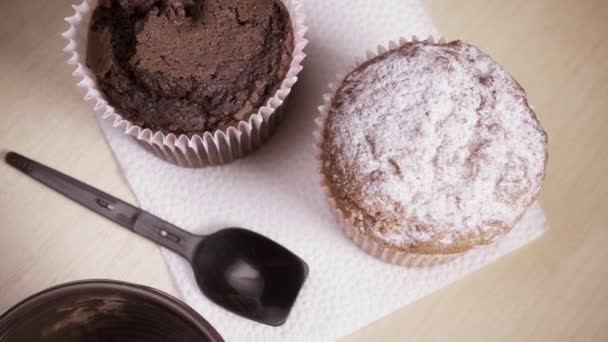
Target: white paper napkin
{"points": [[275, 192]]}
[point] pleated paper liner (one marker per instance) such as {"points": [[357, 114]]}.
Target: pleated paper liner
{"points": [[211, 148]]}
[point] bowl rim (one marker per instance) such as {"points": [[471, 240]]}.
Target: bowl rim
{"points": [[176, 306]]}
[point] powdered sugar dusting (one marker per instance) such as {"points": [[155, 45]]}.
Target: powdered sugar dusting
{"points": [[433, 145]]}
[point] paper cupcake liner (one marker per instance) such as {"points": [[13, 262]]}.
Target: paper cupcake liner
{"points": [[373, 247], [211, 148]]}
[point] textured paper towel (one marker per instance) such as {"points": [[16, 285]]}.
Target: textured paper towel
{"points": [[275, 192]]}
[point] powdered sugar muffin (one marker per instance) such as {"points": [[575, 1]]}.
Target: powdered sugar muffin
{"points": [[429, 150]]}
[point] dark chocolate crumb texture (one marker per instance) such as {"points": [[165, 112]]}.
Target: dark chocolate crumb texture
{"points": [[189, 66]]}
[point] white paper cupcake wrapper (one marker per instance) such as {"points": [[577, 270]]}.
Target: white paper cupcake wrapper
{"points": [[367, 243], [211, 148]]}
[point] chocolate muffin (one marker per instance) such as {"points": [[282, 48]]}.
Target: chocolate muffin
{"points": [[431, 148], [189, 66]]}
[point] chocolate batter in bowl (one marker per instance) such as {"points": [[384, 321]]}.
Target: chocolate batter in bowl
{"points": [[103, 310]]}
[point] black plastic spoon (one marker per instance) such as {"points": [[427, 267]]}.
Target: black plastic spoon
{"points": [[242, 271]]}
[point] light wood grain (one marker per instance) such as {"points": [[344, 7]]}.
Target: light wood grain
{"points": [[555, 289]]}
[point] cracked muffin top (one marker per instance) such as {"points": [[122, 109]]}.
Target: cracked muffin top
{"points": [[189, 66], [432, 148]]}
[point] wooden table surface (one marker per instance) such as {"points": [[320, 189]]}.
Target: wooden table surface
{"points": [[555, 289]]}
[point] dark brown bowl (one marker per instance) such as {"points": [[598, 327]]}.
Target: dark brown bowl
{"points": [[103, 310]]}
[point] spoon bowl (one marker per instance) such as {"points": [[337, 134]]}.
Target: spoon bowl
{"points": [[249, 274]]}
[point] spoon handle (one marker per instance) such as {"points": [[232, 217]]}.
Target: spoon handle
{"points": [[123, 213], [166, 234]]}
